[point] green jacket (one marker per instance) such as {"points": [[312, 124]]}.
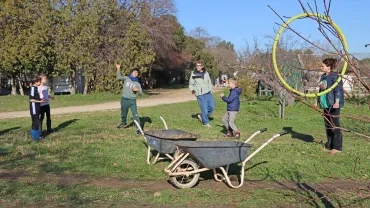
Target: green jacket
{"points": [[200, 82], [128, 84]]}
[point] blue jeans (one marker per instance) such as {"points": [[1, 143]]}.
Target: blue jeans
{"points": [[207, 105]]}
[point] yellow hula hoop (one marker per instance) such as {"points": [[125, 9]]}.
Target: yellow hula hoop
{"points": [[274, 47]]}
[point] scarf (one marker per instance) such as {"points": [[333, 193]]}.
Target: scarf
{"points": [[134, 79]]}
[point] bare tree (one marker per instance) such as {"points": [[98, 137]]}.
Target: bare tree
{"points": [[359, 70], [256, 62]]}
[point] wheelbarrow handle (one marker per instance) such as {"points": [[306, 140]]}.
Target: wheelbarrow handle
{"points": [[264, 145], [283, 133], [255, 133], [263, 130], [164, 122], [138, 126]]}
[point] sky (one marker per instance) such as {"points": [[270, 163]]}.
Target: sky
{"points": [[240, 21]]}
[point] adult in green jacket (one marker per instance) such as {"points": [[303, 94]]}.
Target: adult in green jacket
{"points": [[200, 85]]}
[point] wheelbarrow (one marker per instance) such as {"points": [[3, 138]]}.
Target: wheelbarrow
{"points": [[161, 141], [199, 156]]}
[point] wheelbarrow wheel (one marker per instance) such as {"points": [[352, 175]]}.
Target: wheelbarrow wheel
{"points": [[183, 181]]}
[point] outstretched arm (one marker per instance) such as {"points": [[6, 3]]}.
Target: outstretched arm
{"points": [[232, 96], [119, 75]]}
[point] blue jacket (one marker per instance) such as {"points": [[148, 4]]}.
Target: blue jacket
{"points": [[337, 92], [233, 101]]}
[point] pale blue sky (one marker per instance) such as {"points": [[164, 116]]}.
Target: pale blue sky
{"points": [[239, 21]]}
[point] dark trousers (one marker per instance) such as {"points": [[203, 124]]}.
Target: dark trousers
{"points": [[35, 122], [45, 110], [333, 131], [129, 104]]}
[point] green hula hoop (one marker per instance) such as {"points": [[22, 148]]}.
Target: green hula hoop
{"points": [[274, 47]]}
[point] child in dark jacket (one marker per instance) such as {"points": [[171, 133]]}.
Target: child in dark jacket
{"points": [[35, 102], [233, 105]]}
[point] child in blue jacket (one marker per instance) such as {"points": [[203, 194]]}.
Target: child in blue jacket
{"points": [[233, 105]]}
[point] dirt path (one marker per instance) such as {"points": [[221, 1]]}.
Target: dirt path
{"points": [[69, 179], [166, 97]]}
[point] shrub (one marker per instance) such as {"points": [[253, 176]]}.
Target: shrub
{"points": [[248, 86]]}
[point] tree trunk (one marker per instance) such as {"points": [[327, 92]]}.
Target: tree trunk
{"points": [[86, 85], [20, 86], [51, 86], [281, 104], [12, 83], [72, 78], [150, 78]]}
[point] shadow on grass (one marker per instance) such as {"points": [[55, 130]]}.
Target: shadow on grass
{"points": [[60, 127], [14, 161], [195, 116], [2, 132], [65, 124], [310, 194], [143, 121], [6, 149], [300, 136], [52, 168]]}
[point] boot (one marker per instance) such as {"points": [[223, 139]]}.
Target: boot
{"points": [[35, 134], [237, 134], [229, 134]]}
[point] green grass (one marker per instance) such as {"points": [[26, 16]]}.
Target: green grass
{"points": [[89, 145], [21, 103]]}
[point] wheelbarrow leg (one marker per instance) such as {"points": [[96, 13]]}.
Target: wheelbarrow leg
{"points": [[247, 159], [149, 154], [176, 162], [217, 175]]}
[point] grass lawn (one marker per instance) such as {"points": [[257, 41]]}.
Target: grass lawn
{"points": [[21, 103], [87, 162]]}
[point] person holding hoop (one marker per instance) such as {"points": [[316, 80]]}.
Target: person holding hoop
{"points": [[331, 102]]}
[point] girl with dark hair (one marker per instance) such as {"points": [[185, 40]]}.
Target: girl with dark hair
{"points": [[331, 103]]}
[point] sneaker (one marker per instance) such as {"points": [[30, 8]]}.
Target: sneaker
{"points": [[122, 125], [39, 139], [200, 117], [207, 125], [237, 134], [138, 132]]}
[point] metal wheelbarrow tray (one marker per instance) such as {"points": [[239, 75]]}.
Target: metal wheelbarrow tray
{"points": [[214, 154], [162, 141], [195, 157]]}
